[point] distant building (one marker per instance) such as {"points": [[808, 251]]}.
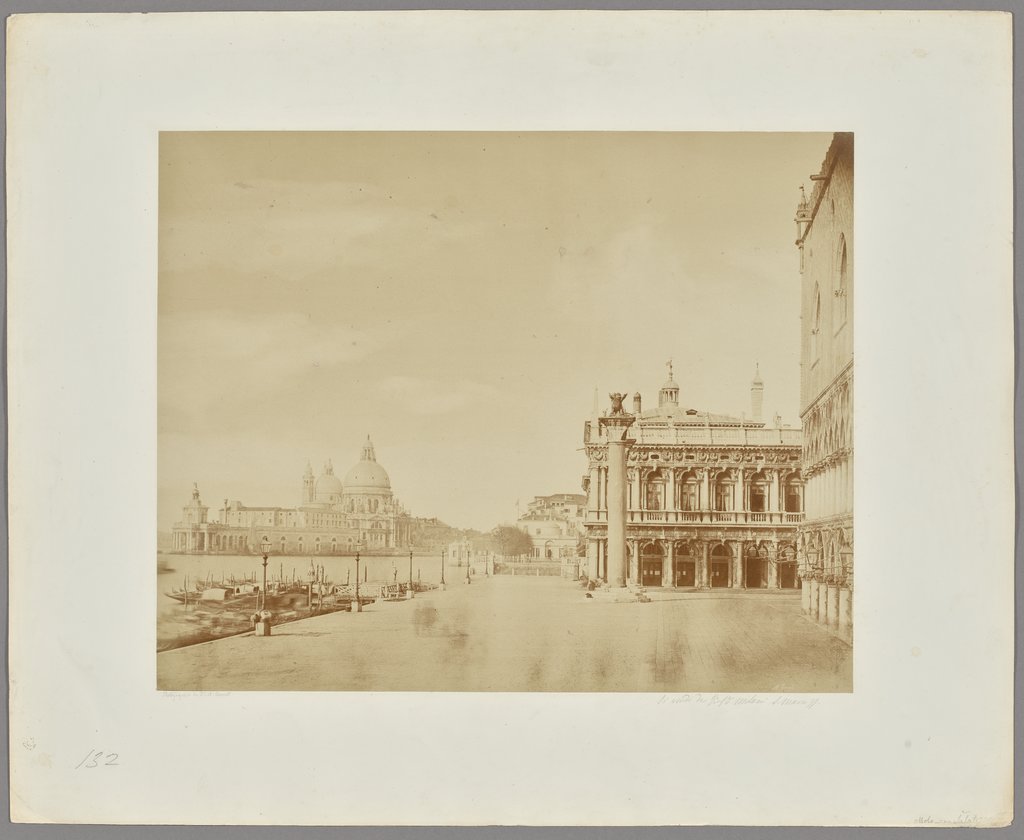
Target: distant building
{"points": [[825, 242], [700, 500], [554, 525], [334, 517]]}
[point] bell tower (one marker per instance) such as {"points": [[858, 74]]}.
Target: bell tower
{"points": [[308, 485], [756, 395]]}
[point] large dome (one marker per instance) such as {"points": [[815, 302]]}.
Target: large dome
{"points": [[367, 476]]}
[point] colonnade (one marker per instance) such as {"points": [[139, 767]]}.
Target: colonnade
{"points": [[699, 564], [736, 490], [828, 602]]}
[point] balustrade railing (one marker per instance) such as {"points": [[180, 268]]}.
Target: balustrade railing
{"points": [[639, 517]]}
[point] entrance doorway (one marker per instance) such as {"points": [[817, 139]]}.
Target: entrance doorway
{"points": [[650, 565], [756, 562], [755, 573], [720, 561], [788, 578], [686, 573]]}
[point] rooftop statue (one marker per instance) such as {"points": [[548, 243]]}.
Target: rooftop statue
{"points": [[617, 404]]}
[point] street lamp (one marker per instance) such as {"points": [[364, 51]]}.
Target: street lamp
{"points": [[410, 571], [358, 606], [443, 552], [468, 560], [266, 552]]}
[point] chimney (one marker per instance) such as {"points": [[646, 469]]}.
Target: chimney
{"points": [[636, 403]]}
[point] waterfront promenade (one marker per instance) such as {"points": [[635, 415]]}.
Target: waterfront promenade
{"points": [[531, 634]]}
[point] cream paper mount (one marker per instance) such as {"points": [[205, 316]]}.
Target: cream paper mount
{"points": [[925, 736]]}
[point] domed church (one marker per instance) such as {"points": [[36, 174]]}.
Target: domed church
{"points": [[334, 516]]}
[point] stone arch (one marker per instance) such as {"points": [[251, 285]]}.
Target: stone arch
{"points": [[652, 558], [755, 565], [720, 561], [759, 492]]}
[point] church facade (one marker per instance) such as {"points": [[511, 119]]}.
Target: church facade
{"points": [[825, 242], [700, 500], [334, 517]]}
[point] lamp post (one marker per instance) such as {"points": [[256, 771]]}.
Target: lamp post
{"points": [[358, 605], [442, 567], [469, 555], [410, 571], [265, 545]]}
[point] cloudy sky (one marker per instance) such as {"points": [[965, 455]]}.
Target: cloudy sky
{"points": [[458, 297]]}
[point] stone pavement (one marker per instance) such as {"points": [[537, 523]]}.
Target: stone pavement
{"points": [[531, 634]]}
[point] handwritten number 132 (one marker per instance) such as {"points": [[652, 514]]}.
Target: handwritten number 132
{"points": [[92, 759]]}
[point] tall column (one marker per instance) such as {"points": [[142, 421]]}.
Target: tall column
{"points": [[637, 502], [738, 502], [617, 425], [833, 605], [668, 575], [737, 566], [617, 512], [703, 572], [705, 490], [670, 494], [592, 559], [773, 566], [846, 612], [635, 568]]}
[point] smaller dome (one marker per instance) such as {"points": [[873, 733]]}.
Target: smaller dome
{"points": [[328, 485]]}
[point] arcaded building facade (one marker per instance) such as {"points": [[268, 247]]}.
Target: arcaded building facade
{"points": [[334, 517], [680, 497], [825, 243]]}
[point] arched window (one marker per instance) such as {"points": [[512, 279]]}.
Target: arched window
{"points": [[842, 285], [759, 493], [723, 493], [816, 325], [655, 491], [689, 492], [794, 492]]}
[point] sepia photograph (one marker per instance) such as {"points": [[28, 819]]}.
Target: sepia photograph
{"points": [[442, 418], [501, 411]]}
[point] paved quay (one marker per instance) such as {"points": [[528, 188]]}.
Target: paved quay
{"points": [[531, 634]]}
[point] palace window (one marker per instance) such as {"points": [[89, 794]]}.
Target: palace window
{"points": [[655, 495], [794, 496], [758, 497], [689, 492], [816, 326], [841, 308], [723, 496]]}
